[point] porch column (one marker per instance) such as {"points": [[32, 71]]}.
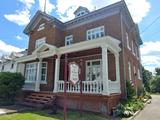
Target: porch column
{"points": [[56, 76], [105, 70], [38, 76], [117, 71]]}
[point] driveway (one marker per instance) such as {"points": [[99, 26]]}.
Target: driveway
{"points": [[151, 111]]}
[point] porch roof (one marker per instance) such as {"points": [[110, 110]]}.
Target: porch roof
{"points": [[48, 50]]}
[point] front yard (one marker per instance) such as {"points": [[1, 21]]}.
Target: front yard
{"points": [[44, 115]]}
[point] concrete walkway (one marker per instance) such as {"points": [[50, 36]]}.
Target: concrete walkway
{"points": [[151, 111], [13, 109]]}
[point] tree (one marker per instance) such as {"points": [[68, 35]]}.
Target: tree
{"points": [[157, 71], [147, 77]]}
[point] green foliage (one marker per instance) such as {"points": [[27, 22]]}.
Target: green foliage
{"points": [[10, 83], [128, 107], [155, 85], [130, 90], [157, 71], [147, 77]]}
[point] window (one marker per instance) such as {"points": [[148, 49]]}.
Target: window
{"points": [[40, 42], [41, 27], [30, 74], [81, 13], [44, 72], [93, 70], [129, 71], [139, 75], [133, 48], [95, 33], [2, 67], [69, 40], [127, 40], [12, 65]]}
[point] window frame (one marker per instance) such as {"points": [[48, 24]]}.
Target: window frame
{"points": [[41, 27], [91, 61], [95, 31], [129, 71], [127, 41], [45, 81], [42, 40], [27, 80], [70, 41]]}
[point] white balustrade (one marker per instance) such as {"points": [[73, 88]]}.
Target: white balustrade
{"points": [[94, 87]]}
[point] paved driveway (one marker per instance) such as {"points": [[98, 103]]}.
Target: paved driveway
{"points": [[151, 111]]}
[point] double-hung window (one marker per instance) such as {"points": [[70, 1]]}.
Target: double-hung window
{"points": [[41, 27], [44, 72], [95, 33], [40, 42], [69, 40], [129, 71], [127, 40], [93, 70], [30, 74]]}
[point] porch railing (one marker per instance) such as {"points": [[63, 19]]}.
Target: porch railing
{"points": [[92, 87]]}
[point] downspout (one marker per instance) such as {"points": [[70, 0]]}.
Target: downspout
{"points": [[123, 45]]}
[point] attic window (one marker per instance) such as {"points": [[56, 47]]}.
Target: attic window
{"points": [[41, 27]]}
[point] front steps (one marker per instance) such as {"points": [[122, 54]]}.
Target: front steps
{"points": [[39, 100]]}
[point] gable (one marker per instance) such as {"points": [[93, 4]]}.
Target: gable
{"points": [[35, 21]]}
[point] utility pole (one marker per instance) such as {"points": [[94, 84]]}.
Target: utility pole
{"points": [[45, 6]]}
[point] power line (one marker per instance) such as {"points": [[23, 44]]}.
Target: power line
{"points": [[146, 28]]}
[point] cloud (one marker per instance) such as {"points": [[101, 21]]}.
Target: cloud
{"points": [[7, 48], [150, 53], [21, 17], [18, 37], [66, 8], [49, 6]]}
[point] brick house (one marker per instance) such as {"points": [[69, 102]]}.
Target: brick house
{"points": [[104, 42]]}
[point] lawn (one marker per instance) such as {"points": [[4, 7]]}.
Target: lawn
{"points": [[44, 115]]}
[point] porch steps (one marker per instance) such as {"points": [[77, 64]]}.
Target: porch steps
{"points": [[39, 100]]}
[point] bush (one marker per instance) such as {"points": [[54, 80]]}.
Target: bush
{"points": [[130, 90], [10, 83], [155, 85]]}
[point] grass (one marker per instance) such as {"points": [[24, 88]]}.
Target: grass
{"points": [[44, 115]]}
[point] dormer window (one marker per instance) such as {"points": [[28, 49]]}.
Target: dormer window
{"points": [[41, 27], [81, 11]]}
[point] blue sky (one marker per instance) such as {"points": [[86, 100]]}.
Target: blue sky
{"points": [[15, 14]]}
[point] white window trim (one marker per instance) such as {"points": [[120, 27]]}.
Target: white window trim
{"points": [[94, 61], [28, 81], [40, 40], [68, 40], [90, 30], [139, 75], [127, 40], [129, 71], [41, 27], [45, 82]]}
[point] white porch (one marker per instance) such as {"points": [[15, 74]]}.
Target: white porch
{"points": [[102, 86]]}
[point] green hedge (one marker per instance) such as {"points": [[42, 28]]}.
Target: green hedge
{"points": [[10, 83]]}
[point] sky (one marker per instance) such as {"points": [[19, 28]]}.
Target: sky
{"points": [[16, 14]]}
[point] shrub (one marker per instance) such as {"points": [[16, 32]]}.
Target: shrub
{"points": [[10, 83], [130, 90], [155, 85]]}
